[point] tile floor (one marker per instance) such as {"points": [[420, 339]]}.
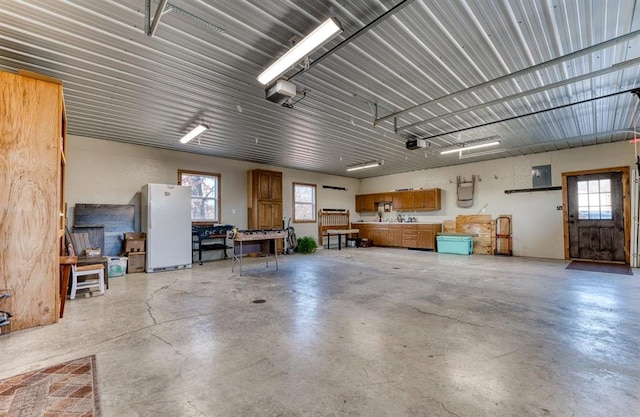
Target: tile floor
{"points": [[357, 332]]}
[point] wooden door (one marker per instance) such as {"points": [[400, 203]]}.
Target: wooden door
{"points": [[432, 199], [403, 200], [264, 185], [426, 237], [595, 216], [365, 203], [380, 236], [276, 186], [419, 199], [365, 231], [395, 235]]}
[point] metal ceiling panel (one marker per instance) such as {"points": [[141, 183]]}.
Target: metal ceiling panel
{"points": [[473, 69]]}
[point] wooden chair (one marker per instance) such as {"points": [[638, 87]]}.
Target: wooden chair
{"points": [[84, 270]]}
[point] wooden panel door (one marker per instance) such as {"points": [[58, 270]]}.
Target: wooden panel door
{"points": [[263, 188], [380, 236], [426, 237], [365, 230], [595, 209], [269, 185], [432, 199], [269, 215], [419, 201], [276, 186], [403, 200], [395, 235], [369, 202]]}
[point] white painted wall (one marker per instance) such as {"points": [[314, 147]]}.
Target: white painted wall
{"points": [[107, 172], [537, 224]]}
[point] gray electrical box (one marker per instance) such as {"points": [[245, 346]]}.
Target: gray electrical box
{"points": [[541, 176]]}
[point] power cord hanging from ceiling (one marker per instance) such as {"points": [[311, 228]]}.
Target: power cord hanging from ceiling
{"points": [[290, 104]]}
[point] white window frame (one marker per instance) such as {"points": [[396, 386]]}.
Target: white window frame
{"points": [[313, 204], [215, 198]]}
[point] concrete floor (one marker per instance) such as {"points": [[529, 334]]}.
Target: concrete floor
{"points": [[357, 332]]}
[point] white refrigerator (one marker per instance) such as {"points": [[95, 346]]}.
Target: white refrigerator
{"points": [[166, 219]]}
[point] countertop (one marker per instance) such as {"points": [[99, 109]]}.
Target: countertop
{"points": [[354, 224]]}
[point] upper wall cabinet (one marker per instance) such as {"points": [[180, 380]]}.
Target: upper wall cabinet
{"points": [[427, 200], [32, 162], [268, 185], [365, 203], [416, 200]]}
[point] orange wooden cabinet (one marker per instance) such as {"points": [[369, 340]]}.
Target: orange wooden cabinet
{"points": [[395, 235], [410, 235], [426, 236], [264, 201], [365, 203], [414, 200]]}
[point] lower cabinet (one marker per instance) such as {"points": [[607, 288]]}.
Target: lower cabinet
{"points": [[380, 236], [395, 235], [426, 238], [410, 236], [416, 236]]}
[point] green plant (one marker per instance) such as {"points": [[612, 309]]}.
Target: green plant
{"points": [[307, 244]]}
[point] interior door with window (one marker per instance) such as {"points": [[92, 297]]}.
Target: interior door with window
{"points": [[596, 216]]}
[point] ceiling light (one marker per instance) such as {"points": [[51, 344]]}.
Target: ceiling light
{"points": [[468, 148], [322, 34], [195, 132], [364, 166]]}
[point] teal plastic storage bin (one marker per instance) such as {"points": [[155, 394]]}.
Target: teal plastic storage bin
{"points": [[457, 244]]}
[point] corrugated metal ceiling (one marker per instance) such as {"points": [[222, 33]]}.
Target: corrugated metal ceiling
{"points": [[451, 71]]}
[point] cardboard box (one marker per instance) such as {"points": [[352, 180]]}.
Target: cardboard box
{"points": [[134, 242], [136, 262], [117, 266]]}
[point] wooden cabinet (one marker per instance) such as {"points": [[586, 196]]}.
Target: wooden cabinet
{"points": [[264, 201], [415, 200], [383, 197], [395, 235], [403, 200], [380, 236], [365, 230], [427, 200], [269, 185], [32, 208], [269, 215], [426, 236], [410, 235], [405, 235], [365, 203]]}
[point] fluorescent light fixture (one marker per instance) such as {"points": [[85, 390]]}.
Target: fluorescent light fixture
{"points": [[194, 133], [309, 44], [364, 166], [468, 148]]}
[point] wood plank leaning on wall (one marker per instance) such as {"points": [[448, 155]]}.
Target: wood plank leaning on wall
{"points": [[30, 165]]}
